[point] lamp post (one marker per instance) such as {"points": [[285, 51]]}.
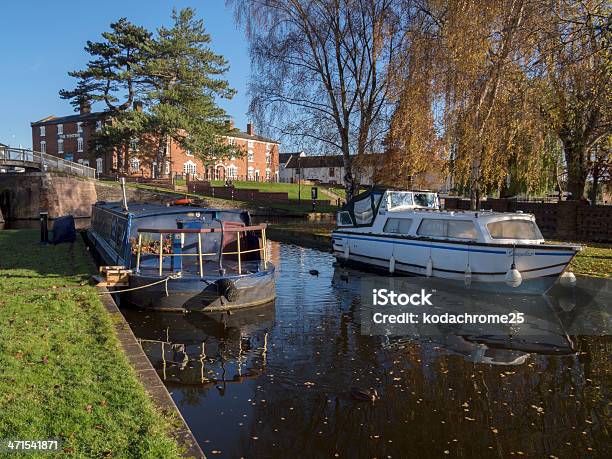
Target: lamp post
{"points": [[297, 171]]}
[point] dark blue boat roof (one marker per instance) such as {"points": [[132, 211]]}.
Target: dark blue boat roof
{"points": [[140, 209]]}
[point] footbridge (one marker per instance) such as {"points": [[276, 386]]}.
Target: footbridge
{"points": [[30, 160]]}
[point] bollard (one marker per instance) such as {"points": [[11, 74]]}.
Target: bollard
{"points": [[44, 228]]}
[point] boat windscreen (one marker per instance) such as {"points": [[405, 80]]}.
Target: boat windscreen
{"points": [[400, 199], [425, 200]]}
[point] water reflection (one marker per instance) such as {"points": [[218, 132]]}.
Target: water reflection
{"points": [[275, 381]]}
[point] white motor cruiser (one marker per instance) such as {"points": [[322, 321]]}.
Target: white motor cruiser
{"points": [[405, 232]]}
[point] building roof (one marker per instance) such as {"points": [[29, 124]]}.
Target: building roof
{"points": [[284, 157], [302, 162], [237, 133], [52, 119]]}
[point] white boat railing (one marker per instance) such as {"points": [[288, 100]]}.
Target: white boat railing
{"points": [[21, 157]]}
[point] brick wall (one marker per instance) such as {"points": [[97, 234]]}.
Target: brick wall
{"points": [[567, 220]]}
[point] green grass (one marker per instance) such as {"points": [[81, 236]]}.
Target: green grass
{"points": [[63, 374], [292, 189], [594, 260]]}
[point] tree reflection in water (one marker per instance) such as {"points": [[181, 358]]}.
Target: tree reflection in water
{"points": [[274, 381]]}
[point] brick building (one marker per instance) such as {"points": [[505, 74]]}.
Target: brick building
{"points": [[71, 137]]}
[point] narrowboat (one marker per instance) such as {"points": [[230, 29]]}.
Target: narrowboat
{"points": [[406, 232], [184, 258]]}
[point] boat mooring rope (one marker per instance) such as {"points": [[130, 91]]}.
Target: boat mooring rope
{"points": [[165, 280]]}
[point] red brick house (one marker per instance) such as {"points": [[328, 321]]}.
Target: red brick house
{"points": [[70, 137]]}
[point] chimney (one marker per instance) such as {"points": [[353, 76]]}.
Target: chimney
{"points": [[84, 107], [137, 105], [250, 128]]}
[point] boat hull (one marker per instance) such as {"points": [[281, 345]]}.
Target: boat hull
{"points": [[200, 294], [540, 266]]}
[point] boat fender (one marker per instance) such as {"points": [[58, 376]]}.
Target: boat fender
{"points": [[182, 202], [392, 264], [227, 288], [467, 277], [429, 268], [513, 277], [346, 250], [568, 279]]}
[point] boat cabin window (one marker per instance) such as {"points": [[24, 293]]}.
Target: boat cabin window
{"points": [[398, 225], [400, 199], [425, 200], [344, 219], [514, 229], [438, 227]]}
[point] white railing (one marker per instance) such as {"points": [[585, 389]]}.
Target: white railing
{"points": [[21, 157]]}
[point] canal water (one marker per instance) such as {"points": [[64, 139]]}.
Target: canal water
{"points": [[288, 379]]}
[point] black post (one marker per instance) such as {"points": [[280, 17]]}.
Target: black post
{"points": [[44, 229], [314, 194]]}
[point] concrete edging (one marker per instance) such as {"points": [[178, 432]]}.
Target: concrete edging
{"points": [[149, 377]]}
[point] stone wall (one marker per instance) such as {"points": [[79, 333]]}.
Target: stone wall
{"points": [[566, 220], [24, 196]]}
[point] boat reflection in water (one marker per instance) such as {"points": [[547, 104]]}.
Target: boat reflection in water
{"points": [[204, 348], [276, 381]]}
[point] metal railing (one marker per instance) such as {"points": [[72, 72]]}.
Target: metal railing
{"points": [[226, 229], [20, 157]]}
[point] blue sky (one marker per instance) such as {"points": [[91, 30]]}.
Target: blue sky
{"points": [[41, 41]]}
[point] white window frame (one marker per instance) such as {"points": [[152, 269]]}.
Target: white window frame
{"points": [[99, 165], [80, 144], [42, 131], [251, 156], [189, 167], [135, 165], [188, 153], [232, 172], [79, 126], [250, 173], [60, 129], [60, 146], [134, 144], [98, 125], [43, 146]]}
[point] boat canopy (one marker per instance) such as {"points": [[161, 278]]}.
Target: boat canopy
{"points": [[362, 208]]}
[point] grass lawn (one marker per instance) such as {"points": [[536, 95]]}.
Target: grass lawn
{"points": [[594, 260], [291, 188], [63, 374]]}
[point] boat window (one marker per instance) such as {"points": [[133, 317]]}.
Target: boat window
{"points": [[514, 229], [398, 225], [363, 211], [438, 227], [400, 199], [344, 219], [425, 200], [432, 227], [462, 229]]}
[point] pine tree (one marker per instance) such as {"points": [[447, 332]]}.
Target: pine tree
{"points": [[184, 77], [114, 76]]}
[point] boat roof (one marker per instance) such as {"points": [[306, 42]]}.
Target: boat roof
{"points": [[140, 209]]}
